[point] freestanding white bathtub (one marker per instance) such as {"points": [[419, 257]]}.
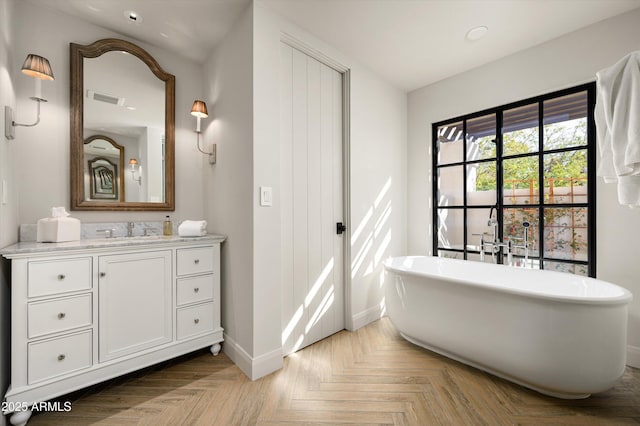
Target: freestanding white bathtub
{"points": [[559, 334]]}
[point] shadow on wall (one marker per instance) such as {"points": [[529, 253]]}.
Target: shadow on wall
{"points": [[370, 247]]}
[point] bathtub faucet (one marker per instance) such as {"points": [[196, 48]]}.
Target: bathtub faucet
{"points": [[495, 247], [494, 224]]}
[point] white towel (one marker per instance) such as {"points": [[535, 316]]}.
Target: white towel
{"points": [[617, 117], [192, 228]]}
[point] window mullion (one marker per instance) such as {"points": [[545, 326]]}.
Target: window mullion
{"points": [[499, 175], [591, 183], [464, 189], [434, 189], [541, 201]]}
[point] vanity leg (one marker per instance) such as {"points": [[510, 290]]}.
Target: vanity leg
{"points": [[215, 349], [20, 418]]}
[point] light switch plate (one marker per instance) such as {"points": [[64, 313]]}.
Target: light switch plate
{"points": [[266, 196]]}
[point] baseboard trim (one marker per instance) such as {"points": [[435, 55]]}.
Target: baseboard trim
{"points": [[633, 356], [367, 316], [253, 368], [237, 354], [267, 364]]}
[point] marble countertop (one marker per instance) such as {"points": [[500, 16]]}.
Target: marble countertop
{"points": [[28, 247]]}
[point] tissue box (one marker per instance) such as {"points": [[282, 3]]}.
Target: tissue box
{"points": [[58, 229]]}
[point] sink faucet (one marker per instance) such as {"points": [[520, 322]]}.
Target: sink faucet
{"points": [[130, 226]]}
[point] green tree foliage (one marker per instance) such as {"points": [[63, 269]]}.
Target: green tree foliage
{"points": [[518, 172]]}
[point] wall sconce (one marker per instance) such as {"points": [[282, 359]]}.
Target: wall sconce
{"points": [[134, 165], [199, 110], [39, 68]]}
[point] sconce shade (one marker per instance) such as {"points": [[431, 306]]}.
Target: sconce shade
{"points": [[199, 109], [38, 67], [133, 162]]}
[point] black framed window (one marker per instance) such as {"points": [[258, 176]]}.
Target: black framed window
{"points": [[531, 161]]}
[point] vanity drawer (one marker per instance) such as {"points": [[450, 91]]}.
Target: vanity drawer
{"points": [[194, 289], [52, 316], [58, 276], [195, 320], [195, 260], [54, 357]]}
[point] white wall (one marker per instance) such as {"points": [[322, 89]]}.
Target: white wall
{"points": [[43, 178], [564, 62], [8, 212], [228, 184]]}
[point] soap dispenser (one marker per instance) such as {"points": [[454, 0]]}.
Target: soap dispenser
{"points": [[167, 227]]}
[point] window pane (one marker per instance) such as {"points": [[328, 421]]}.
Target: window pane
{"points": [[481, 137], [450, 228], [450, 186], [482, 183], [565, 121], [450, 254], [520, 180], [567, 267], [565, 233], [450, 143], [520, 130], [565, 177], [476, 257], [513, 229], [477, 223]]}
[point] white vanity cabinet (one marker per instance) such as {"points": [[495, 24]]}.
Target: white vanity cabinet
{"points": [[134, 309], [89, 311]]}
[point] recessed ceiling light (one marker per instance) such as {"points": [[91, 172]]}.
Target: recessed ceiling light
{"points": [[476, 33], [133, 16]]}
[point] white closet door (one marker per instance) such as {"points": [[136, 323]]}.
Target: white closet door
{"points": [[311, 181]]}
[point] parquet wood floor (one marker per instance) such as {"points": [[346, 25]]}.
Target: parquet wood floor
{"points": [[371, 376]]}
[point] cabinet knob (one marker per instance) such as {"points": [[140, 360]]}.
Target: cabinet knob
{"points": [[61, 277], [196, 321], [196, 261], [61, 315], [103, 274], [197, 289], [61, 357]]}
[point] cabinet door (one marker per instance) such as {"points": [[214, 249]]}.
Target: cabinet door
{"points": [[135, 302]]}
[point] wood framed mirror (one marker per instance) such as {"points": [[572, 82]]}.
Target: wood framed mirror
{"points": [[120, 93]]}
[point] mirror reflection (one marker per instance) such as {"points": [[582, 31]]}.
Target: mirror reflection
{"points": [[122, 110], [125, 101]]}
